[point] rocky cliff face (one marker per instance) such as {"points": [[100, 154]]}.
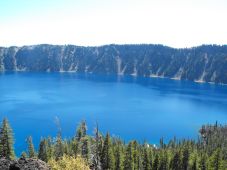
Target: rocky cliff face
{"points": [[23, 164], [204, 63]]}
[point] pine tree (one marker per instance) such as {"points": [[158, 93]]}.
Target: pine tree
{"points": [[215, 160], [119, 156], [107, 158], [23, 155], [136, 155], [81, 145], [156, 162], [59, 147], [96, 162], [31, 149], [6, 140], [175, 162], [129, 158], [81, 131], [194, 164], [43, 154], [84, 128], [150, 153], [146, 159], [48, 143], [66, 147], [163, 163], [85, 148], [161, 142], [74, 147], [202, 162], [185, 158]]}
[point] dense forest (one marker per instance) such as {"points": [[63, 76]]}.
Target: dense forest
{"points": [[206, 63], [103, 152]]}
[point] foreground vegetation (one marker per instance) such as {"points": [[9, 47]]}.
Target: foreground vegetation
{"points": [[98, 152]]}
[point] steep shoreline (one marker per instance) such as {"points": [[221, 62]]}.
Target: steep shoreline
{"points": [[207, 63]]}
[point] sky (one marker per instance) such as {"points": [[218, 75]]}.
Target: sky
{"points": [[175, 23]]}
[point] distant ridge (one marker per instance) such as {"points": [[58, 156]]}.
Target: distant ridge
{"points": [[206, 63]]}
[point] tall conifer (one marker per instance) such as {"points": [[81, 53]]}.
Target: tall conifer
{"points": [[31, 149], [107, 159], [6, 140]]}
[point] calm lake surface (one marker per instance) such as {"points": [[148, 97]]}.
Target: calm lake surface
{"points": [[129, 107]]}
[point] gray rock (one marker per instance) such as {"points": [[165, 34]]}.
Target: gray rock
{"points": [[23, 164], [4, 164]]}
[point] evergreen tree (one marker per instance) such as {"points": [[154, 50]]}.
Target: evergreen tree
{"points": [[85, 148], [23, 155], [48, 143], [202, 162], [163, 162], [81, 131], [6, 140], [75, 147], [31, 149], [136, 155], [81, 144], [107, 158], [119, 157], [175, 163], [185, 158], [161, 142], [156, 162], [66, 147], [59, 147], [96, 162], [150, 151], [129, 158], [113, 153], [215, 160], [194, 164], [42, 154], [146, 159]]}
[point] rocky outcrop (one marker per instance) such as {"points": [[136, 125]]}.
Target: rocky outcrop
{"points": [[207, 63], [5, 164], [23, 164]]}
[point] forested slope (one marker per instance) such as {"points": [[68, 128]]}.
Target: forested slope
{"points": [[207, 63]]}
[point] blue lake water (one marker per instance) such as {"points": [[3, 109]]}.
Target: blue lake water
{"points": [[129, 107]]}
